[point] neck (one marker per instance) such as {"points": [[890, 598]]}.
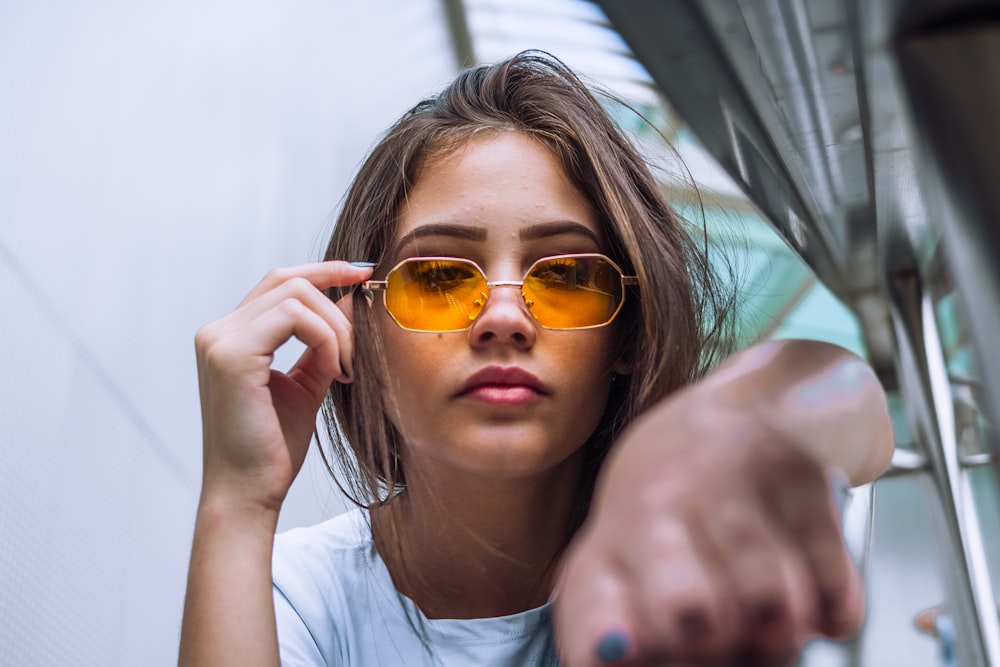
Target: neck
{"points": [[461, 546]]}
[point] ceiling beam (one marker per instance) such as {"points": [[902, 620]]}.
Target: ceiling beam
{"points": [[461, 37]]}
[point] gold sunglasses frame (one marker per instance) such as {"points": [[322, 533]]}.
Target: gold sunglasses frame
{"points": [[382, 286]]}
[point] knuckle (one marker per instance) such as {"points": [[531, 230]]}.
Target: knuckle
{"points": [[740, 526], [217, 355], [688, 598], [275, 276], [688, 612], [819, 531], [772, 641], [768, 606], [291, 307], [702, 635], [299, 285], [767, 655], [840, 613], [796, 464], [211, 348], [696, 618], [737, 517], [204, 337], [340, 325]]}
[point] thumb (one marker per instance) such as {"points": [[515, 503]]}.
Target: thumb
{"points": [[591, 621], [346, 302]]}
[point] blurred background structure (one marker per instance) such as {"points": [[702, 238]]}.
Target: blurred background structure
{"points": [[156, 159]]}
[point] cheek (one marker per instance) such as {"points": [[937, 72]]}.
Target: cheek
{"points": [[414, 363], [594, 354], [588, 367]]}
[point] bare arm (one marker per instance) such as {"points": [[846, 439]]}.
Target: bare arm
{"points": [[257, 425], [818, 396], [229, 611], [713, 535]]}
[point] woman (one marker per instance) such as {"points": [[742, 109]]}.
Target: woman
{"points": [[519, 392]]}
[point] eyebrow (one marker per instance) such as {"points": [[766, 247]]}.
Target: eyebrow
{"points": [[468, 232], [474, 233], [555, 228]]}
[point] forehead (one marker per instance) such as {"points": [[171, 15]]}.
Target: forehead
{"points": [[499, 189]]}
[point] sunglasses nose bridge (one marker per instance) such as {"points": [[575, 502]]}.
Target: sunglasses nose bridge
{"points": [[505, 283], [519, 284]]}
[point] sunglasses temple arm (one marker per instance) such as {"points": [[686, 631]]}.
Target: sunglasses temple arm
{"points": [[368, 287]]}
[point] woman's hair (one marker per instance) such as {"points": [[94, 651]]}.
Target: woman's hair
{"points": [[674, 324]]}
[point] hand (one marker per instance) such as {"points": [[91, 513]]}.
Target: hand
{"points": [[258, 422], [712, 540]]}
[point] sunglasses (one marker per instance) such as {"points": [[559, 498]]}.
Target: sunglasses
{"points": [[441, 294]]}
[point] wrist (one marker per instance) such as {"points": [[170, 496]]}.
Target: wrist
{"points": [[815, 396], [228, 508]]}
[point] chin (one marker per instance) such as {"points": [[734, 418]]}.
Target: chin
{"points": [[509, 461], [501, 450]]}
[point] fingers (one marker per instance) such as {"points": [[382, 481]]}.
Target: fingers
{"points": [[789, 568], [320, 275], [293, 305], [655, 603], [592, 616], [258, 422], [297, 308], [769, 584], [800, 504], [685, 610], [809, 511], [749, 577], [327, 338], [682, 598]]}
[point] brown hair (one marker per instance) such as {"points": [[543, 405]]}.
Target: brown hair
{"points": [[674, 324]]}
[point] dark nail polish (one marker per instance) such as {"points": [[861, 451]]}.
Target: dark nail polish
{"points": [[343, 373], [768, 613], [363, 265], [614, 646], [693, 624], [829, 605]]}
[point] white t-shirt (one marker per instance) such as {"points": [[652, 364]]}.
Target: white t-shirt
{"points": [[336, 605]]}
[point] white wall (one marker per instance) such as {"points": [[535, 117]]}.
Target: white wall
{"points": [[156, 159]]}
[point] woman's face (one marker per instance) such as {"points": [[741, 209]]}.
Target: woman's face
{"points": [[504, 398]]}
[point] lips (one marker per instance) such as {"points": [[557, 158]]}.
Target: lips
{"points": [[498, 384]]}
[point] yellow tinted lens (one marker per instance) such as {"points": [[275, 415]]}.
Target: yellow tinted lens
{"points": [[435, 294], [573, 292]]}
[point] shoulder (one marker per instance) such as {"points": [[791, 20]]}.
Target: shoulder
{"points": [[346, 531], [318, 573], [317, 556], [317, 568]]}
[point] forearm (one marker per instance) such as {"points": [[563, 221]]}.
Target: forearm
{"points": [[817, 395], [714, 506], [229, 609]]}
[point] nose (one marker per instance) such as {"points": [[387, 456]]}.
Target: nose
{"points": [[504, 318]]}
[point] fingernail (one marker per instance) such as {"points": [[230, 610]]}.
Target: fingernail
{"points": [[346, 376], [693, 624], [768, 613], [840, 486], [614, 646], [363, 265], [829, 604]]}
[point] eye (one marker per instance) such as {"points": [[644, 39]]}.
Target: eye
{"points": [[444, 276], [563, 273]]}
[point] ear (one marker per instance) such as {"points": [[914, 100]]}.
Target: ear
{"points": [[625, 349], [622, 366]]}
